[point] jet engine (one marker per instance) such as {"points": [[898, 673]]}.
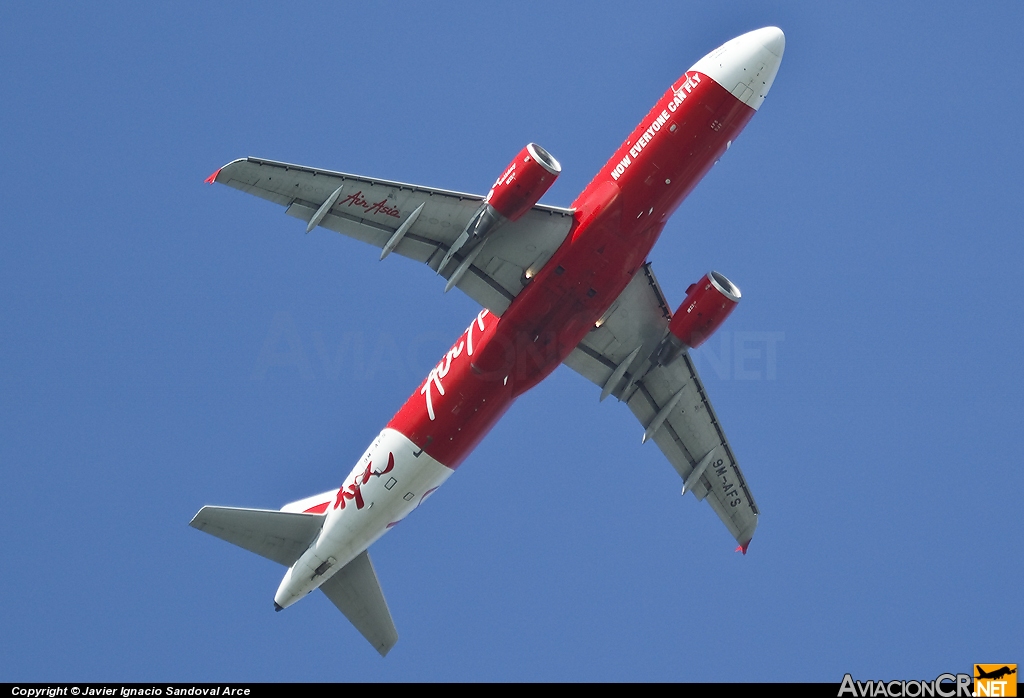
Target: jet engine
{"points": [[523, 182], [520, 186], [707, 305]]}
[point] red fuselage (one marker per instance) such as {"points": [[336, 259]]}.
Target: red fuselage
{"points": [[618, 218]]}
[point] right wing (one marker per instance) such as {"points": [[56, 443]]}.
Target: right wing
{"points": [[373, 210], [620, 355]]}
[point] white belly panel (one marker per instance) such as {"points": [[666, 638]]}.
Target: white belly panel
{"points": [[392, 478]]}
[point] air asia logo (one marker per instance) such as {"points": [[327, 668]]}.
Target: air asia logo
{"points": [[352, 490], [442, 369], [381, 206], [506, 178], [995, 679], [944, 686]]}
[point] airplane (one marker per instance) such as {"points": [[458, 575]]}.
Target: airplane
{"points": [[557, 285], [995, 674]]}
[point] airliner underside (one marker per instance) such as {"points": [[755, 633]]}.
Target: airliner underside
{"points": [[556, 285]]}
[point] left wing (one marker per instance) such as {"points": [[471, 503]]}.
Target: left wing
{"points": [[620, 355], [374, 211]]}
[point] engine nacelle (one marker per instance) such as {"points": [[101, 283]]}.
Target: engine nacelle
{"points": [[523, 182], [707, 305], [519, 187]]}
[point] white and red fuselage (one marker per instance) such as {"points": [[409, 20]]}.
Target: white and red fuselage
{"points": [[618, 218]]}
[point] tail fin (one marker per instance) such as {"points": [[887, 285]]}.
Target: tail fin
{"points": [[276, 535]]}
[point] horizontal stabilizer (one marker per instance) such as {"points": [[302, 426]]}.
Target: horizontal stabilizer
{"points": [[354, 589], [276, 535]]}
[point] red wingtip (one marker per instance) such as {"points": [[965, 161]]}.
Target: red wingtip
{"points": [[743, 548], [213, 178]]}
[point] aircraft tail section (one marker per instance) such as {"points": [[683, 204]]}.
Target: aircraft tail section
{"points": [[355, 590], [276, 535], [283, 536]]}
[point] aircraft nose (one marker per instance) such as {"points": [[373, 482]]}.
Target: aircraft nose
{"points": [[746, 66], [771, 38]]}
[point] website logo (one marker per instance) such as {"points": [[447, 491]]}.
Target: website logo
{"points": [[995, 680], [943, 686]]}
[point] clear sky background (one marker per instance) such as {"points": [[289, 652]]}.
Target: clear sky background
{"points": [[870, 212]]}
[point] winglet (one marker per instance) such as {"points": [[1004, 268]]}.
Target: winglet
{"points": [[213, 178], [743, 548]]}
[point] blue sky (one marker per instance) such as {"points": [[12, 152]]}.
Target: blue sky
{"points": [[870, 213]]}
